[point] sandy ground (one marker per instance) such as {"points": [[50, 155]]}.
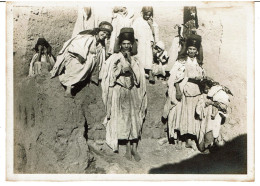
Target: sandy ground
{"points": [[167, 159]]}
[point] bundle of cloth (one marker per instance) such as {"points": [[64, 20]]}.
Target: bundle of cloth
{"points": [[212, 109]]}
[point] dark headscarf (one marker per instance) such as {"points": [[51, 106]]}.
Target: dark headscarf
{"points": [[192, 40], [103, 26], [43, 42], [187, 15], [126, 34]]}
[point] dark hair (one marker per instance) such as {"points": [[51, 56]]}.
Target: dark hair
{"points": [[126, 36], [192, 40], [146, 9], [207, 82], [42, 42]]}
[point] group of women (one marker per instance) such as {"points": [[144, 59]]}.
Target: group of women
{"points": [[121, 72]]}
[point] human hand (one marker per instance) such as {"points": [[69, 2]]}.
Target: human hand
{"points": [[40, 47], [177, 26], [152, 44], [199, 78], [45, 50], [126, 69], [150, 21], [208, 103], [178, 95]]}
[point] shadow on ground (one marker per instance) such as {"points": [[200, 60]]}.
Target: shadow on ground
{"points": [[229, 159]]}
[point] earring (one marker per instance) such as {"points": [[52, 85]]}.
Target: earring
{"points": [[197, 53], [187, 52]]}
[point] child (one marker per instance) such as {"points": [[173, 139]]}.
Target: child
{"points": [[212, 111], [160, 59], [43, 60]]}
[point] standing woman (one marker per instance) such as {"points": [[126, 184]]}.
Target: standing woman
{"points": [[82, 57], [184, 93], [147, 34], [124, 96], [85, 20], [122, 17]]}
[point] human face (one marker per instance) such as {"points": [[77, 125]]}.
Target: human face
{"points": [[126, 46], [102, 35], [147, 15], [192, 51], [123, 11], [206, 89]]}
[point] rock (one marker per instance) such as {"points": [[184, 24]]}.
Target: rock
{"points": [[233, 121], [51, 129], [162, 141], [115, 168], [100, 142], [156, 133]]}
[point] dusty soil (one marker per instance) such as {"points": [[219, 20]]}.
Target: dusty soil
{"points": [[53, 134]]}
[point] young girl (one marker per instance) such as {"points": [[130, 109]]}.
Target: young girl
{"points": [[160, 59], [42, 61], [147, 34], [212, 111]]}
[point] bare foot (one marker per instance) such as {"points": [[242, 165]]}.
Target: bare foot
{"points": [[191, 144], [128, 155], [68, 92], [179, 145], [206, 151], [68, 95], [136, 156]]}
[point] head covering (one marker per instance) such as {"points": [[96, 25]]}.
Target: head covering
{"points": [[43, 42], [146, 9], [161, 45], [105, 26], [194, 40], [119, 9], [126, 34]]}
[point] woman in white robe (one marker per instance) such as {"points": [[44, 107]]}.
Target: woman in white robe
{"points": [[122, 17], [147, 34], [82, 57], [124, 96], [184, 94], [85, 20]]}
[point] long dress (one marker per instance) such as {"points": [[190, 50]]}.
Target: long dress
{"points": [[78, 59], [181, 115], [125, 100], [144, 35]]}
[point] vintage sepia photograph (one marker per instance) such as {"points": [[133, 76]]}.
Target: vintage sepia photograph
{"points": [[130, 90]]}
